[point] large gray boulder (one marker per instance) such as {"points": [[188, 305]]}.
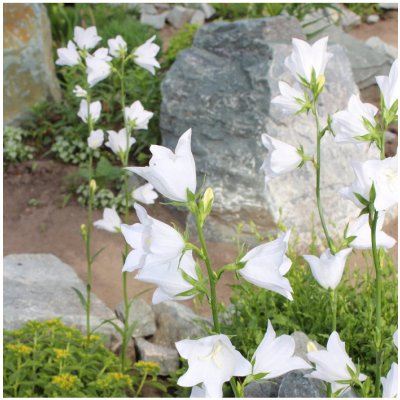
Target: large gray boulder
{"points": [[222, 88], [39, 287], [28, 65]]}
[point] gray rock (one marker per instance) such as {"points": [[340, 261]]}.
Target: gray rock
{"points": [[142, 314], [198, 18], [301, 341], [166, 358], [373, 19], [234, 69], [148, 8], [365, 64], [179, 16], [176, 322], [388, 6], [263, 388], [348, 18], [28, 65], [208, 10], [39, 287], [378, 44], [157, 21], [295, 384]]}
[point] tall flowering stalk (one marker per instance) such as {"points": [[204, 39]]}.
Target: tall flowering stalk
{"points": [[307, 64], [135, 117], [375, 188], [75, 55]]}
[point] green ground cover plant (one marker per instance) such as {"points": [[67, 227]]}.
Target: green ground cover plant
{"points": [[49, 359]]}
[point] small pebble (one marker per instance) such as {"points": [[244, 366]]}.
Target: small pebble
{"points": [[372, 19]]}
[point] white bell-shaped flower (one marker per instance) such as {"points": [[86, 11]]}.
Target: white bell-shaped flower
{"points": [[281, 157], [171, 174], [305, 58], [154, 242], [168, 277], [275, 355], [86, 39], [349, 123], [383, 174], [328, 268], [212, 361], [68, 56], [145, 55], [332, 364], [111, 221], [266, 265]]}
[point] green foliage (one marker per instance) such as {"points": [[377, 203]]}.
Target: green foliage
{"points": [[181, 40], [310, 311], [364, 9], [15, 148], [72, 150], [48, 359], [234, 11]]}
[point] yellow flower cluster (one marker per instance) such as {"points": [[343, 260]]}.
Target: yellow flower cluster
{"points": [[20, 348], [65, 381], [147, 366], [111, 378], [61, 353]]}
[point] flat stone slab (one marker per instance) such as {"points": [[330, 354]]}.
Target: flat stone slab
{"points": [[39, 287]]}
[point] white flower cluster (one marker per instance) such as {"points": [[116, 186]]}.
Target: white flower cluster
{"points": [[163, 257]]}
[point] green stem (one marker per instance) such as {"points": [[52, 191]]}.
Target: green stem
{"points": [[141, 384], [318, 180], [124, 159], [373, 215], [333, 301], [88, 233], [211, 274]]}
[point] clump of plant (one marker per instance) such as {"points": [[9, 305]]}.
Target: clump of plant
{"points": [[182, 39], [364, 9], [55, 124], [245, 319], [49, 359], [15, 148]]}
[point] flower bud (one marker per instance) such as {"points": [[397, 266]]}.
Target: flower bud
{"points": [[208, 200], [92, 185], [311, 347], [320, 83], [83, 231]]}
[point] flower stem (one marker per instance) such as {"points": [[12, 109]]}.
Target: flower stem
{"points": [[89, 260], [125, 159], [318, 180], [211, 275], [141, 384], [373, 217], [333, 301]]}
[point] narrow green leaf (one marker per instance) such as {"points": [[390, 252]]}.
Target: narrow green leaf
{"points": [[80, 296]]}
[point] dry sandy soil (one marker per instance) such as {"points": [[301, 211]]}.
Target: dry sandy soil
{"points": [[49, 227]]}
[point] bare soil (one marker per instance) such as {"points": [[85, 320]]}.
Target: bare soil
{"points": [[35, 220]]}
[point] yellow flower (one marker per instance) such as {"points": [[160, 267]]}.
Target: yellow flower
{"points": [[65, 381], [20, 348], [61, 353], [147, 366], [109, 379], [53, 323]]}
